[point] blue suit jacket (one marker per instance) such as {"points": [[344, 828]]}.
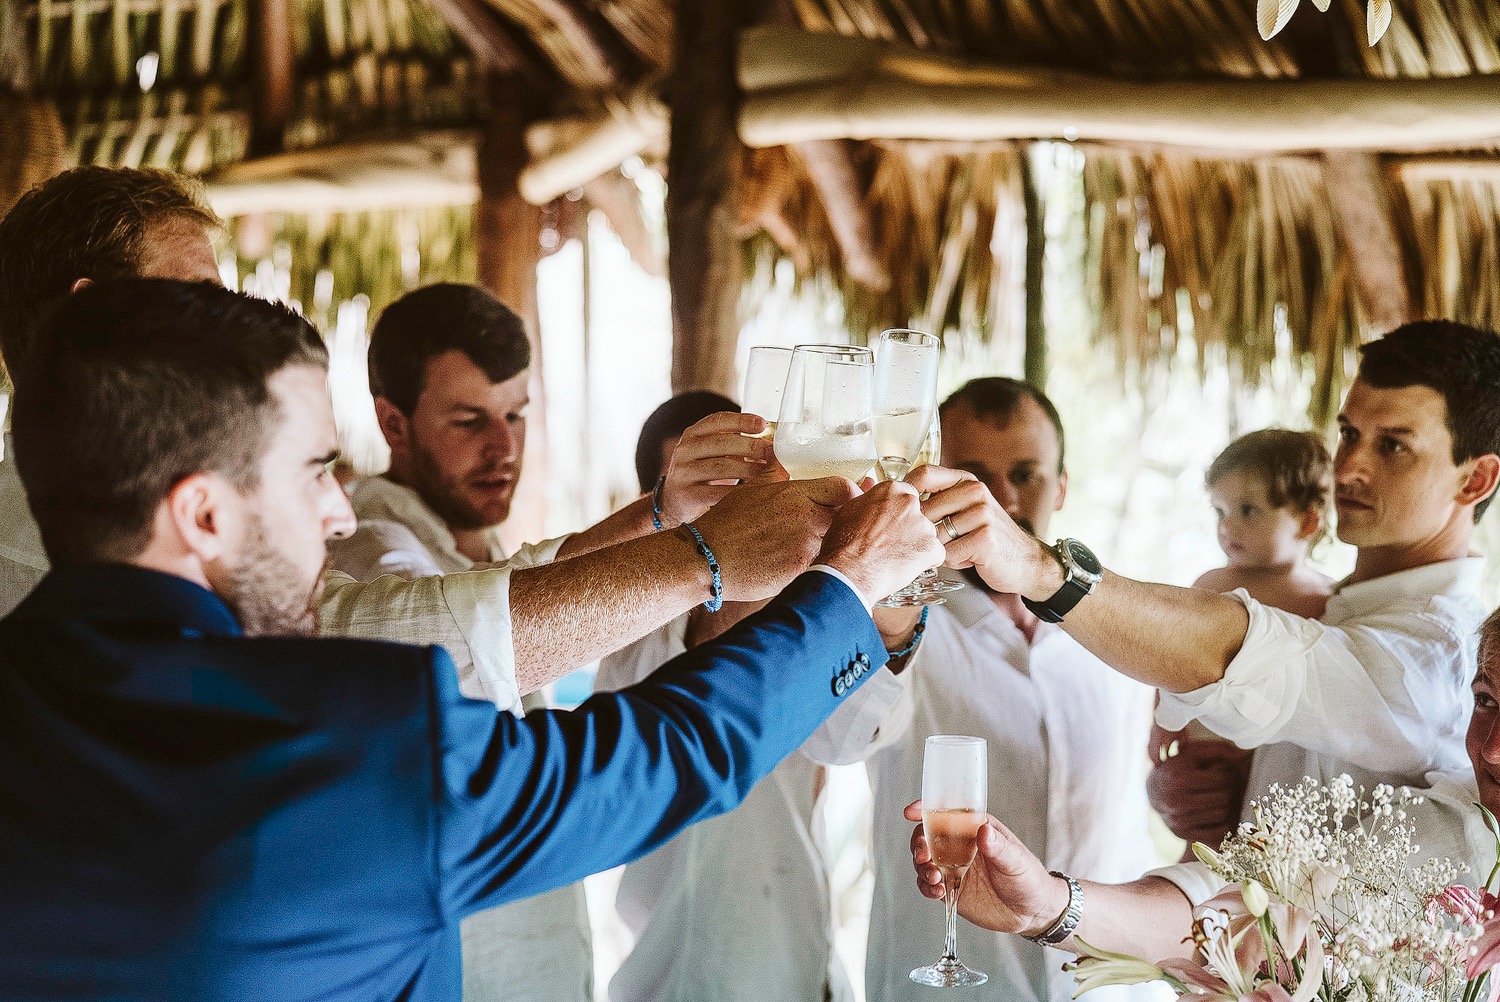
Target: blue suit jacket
{"points": [[186, 813]]}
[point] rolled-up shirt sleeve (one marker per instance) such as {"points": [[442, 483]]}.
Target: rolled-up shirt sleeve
{"points": [[1385, 692], [467, 613]]}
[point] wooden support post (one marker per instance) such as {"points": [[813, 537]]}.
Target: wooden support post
{"points": [[508, 233], [1360, 196], [1036, 259], [272, 80], [830, 165], [704, 164]]}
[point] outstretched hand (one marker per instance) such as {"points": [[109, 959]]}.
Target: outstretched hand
{"points": [[975, 531], [1007, 889], [711, 458], [881, 540], [765, 534]]}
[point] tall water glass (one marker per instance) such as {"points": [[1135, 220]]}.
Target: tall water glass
{"points": [[765, 378], [825, 426], [955, 785]]}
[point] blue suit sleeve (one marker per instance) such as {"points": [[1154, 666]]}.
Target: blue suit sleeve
{"points": [[526, 805]]}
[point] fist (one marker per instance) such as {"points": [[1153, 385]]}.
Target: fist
{"points": [[881, 540]]}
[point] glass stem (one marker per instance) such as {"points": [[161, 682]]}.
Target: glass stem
{"points": [[950, 940]]}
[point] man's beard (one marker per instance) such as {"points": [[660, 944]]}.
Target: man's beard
{"points": [[444, 495], [267, 593]]}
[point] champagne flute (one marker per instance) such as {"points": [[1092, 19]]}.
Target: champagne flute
{"points": [[906, 374], [955, 784], [825, 428], [765, 378]]}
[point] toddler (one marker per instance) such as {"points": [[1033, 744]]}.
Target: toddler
{"points": [[1270, 491]]}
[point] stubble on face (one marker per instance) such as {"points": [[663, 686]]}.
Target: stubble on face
{"points": [[266, 591], [444, 494]]}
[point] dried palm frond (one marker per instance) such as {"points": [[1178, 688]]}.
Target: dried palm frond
{"points": [[1243, 257]]}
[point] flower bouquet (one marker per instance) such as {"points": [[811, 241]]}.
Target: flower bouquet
{"points": [[1323, 903]]}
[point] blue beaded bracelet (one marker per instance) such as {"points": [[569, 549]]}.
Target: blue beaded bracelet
{"points": [[656, 503], [916, 637], [716, 596]]}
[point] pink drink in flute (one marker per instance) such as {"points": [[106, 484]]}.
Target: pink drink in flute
{"points": [[955, 788]]}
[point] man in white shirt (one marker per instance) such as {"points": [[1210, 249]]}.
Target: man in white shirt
{"points": [[518, 631], [1379, 688], [449, 365], [737, 908], [1064, 733]]}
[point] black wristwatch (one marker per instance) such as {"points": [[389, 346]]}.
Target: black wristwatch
{"points": [[1081, 573]]}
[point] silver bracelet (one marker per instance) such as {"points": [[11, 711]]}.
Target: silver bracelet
{"points": [[1068, 920]]}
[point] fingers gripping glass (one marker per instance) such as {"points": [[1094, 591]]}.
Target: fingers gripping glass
{"points": [[955, 785], [907, 432]]}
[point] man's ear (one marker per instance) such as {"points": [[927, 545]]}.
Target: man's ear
{"points": [[395, 426], [1479, 483], [199, 510], [1062, 490]]}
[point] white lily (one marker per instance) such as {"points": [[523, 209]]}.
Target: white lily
{"points": [[1096, 968]]}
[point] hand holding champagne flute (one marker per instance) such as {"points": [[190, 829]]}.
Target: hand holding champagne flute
{"points": [[955, 787]]}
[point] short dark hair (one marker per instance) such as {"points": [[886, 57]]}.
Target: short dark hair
{"points": [[134, 385], [1460, 362], [1294, 465], [430, 321], [995, 399], [670, 420], [89, 222]]}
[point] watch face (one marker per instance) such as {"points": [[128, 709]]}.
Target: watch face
{"points": [[1083, 557]]}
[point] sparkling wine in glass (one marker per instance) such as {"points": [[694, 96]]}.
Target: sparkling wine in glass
{"points": [[955, 784], [906, 375], [825, 428], [765, 378]]}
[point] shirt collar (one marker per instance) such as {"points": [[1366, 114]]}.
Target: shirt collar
{"points": [[123, 593], [1453, 578], [380, 497]]}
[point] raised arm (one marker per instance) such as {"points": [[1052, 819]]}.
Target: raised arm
{"points": [[532, 804], [1178, 639]]}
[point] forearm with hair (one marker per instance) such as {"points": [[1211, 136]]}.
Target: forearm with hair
{"points": [[568, 613], [1148, 918], [1178, 639], [631, 522]]}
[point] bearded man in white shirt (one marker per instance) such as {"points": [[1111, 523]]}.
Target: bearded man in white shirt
{"points": [[449, 367], [1064, 732], [515, 632], [1379, 688]]}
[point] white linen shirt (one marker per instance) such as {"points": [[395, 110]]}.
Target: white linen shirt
{"points": [[1067, 738], [1378, 688], [736, 908], [541, 947]]}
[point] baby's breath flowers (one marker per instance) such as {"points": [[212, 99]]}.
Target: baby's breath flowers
{"points": [[1326, 900]]}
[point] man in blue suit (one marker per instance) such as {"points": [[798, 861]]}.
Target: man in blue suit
{"points": [[197, 801]]}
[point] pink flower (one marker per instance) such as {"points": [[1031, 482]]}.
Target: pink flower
{"points": [[1474, 907]]}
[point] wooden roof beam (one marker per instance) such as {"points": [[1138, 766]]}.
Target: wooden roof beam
{"points": [[491, 44], [830, 165], [802, 86], [604, 61]]}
